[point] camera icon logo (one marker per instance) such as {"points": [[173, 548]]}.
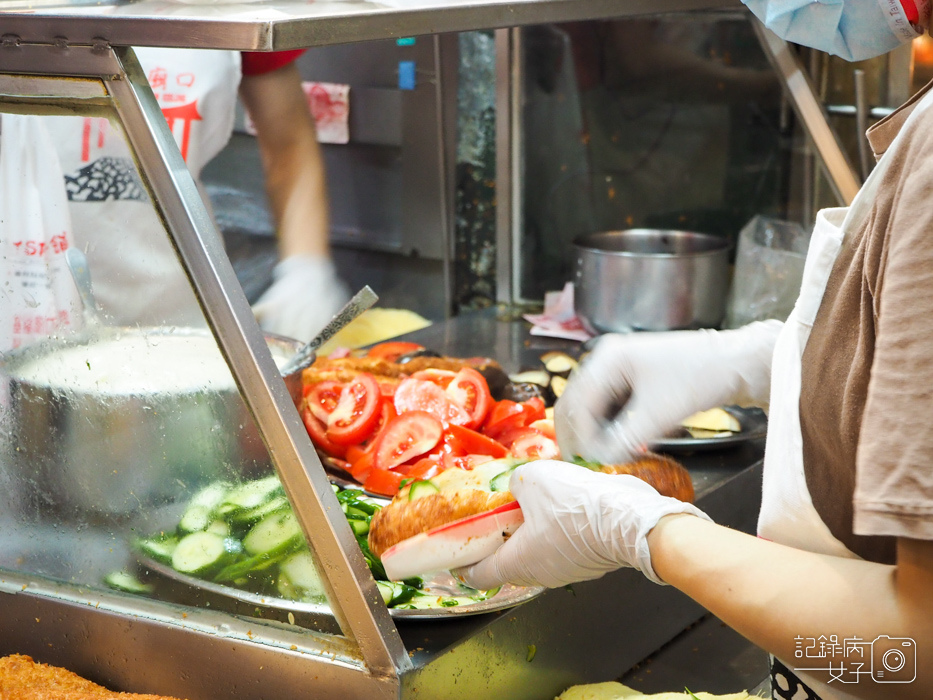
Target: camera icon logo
{"points": [[893, 659]]}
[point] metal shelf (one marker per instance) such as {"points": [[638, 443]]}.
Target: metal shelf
{"points": [[285, 25]]}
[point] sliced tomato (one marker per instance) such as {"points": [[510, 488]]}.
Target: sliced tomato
{"points": [[323, 397], [532, 444], [383, 481], [388, 388], [355, 452], [504, 416], [420, 395], [469, 390], [386, 413], [393, 349], [318, 433], [464, 441], [466, 462], [362, 465], [507, 415], [423, 469], [441, 377], [340, 464], [534, 409], [407, 436], [356, 412]]}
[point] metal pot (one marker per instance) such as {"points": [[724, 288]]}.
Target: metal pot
{"points": [[650, 280], [130, 418]]}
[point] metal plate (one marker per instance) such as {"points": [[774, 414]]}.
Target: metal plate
{"points": [[442, 584], [754, 424]]}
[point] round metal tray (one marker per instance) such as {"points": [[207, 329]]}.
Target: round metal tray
{"points": [[442, 584], [754, 423]]}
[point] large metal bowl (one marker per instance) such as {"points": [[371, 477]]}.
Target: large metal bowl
{"points": [[130, 418], [650, 280]]}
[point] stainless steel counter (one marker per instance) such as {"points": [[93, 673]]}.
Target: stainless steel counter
{"points": [[274, 26]]}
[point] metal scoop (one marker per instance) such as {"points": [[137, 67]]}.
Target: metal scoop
{"points": [[361, 301]]}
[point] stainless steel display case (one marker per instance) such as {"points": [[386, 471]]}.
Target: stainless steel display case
{"points": [[78, 56]]}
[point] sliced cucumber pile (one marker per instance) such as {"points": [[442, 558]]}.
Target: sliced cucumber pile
{"points": [[246, 535]]}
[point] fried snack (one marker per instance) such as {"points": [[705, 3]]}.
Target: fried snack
{"points": [[21, 678], [345, 369], [668, 477], [461, 494]]}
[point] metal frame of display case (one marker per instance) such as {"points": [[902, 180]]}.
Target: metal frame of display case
{"points": [[100, 77], [76, 56]]}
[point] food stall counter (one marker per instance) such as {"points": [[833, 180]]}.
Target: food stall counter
{"points": [[75, 58]]}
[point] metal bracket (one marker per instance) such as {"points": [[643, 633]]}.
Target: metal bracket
{"points": [[842, 176]]}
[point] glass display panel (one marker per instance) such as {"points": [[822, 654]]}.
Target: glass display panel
{"points": [[128, 458], [670, 122]]}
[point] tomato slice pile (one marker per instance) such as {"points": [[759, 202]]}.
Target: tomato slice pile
{"points": [[384, 433]]}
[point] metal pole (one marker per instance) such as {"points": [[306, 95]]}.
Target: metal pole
{"points": [[505, 197]]}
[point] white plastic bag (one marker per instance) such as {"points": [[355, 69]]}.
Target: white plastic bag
{"points": [[768, 270], [38, 296], [136, 273]]}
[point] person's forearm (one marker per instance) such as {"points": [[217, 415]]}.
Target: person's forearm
{"points": [[292, 160], [773, 594]]}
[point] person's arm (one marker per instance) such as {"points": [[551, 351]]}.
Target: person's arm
{"points": [[771, 594], [579, 525], [292, 160], [306, 290]]}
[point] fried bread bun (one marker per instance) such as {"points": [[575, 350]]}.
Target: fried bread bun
{"points": [[457, 493]]}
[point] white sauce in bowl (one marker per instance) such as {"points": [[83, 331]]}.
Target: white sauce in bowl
{"points": [[135, 364]]}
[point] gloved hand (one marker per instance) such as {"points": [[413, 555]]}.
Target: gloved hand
{"points": [[633, 388], [579, 525], [304, 296]]}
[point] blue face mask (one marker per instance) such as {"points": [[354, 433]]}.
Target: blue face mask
{"points": [[851, 29]]}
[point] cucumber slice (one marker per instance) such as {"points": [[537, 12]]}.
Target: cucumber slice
{"points": [[420, 489], [500, 482], [127, 582], [250, 495], [158, 549], [219, 527], [202, 552], [254, 568], [274, 533], [357, 513], [211, 495], [299, 580], [195, 519], [386, 590], [252, 515], [396, 593], [359, 527]]}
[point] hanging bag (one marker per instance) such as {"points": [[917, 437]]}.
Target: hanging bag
{"points": [[38, 296]]}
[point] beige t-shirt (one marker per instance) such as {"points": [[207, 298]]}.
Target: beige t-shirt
{"points": [[866, 403]]}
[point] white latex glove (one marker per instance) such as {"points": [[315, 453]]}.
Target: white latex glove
{"points": [[304, 296], [636, 387], [579, 525]]}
